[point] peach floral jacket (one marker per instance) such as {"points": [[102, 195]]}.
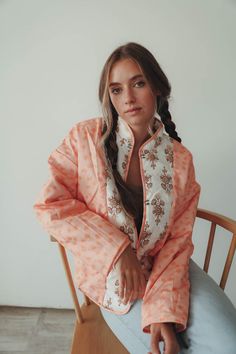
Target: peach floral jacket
{"points": [[81, 207]]}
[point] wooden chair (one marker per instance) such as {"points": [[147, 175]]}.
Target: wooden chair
{"points": [[92, 334], [227, 224]]}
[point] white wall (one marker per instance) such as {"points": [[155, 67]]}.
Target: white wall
{"points": [[52, 53]]}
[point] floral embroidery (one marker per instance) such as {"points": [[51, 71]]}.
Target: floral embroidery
{"points": [[127, 142], [128, 230], [157, 142], [114, 204], [158, 208], [117, 287], [162, 234], [124, 163], [169, 154], [122, 141], [147, 180], [107, 175], [151, 155], [166, 181], [108, 303], [145, 235], [117, 292]]}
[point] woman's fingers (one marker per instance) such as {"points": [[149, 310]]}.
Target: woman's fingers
{"points": [[164, 332], [121, 285], [170, 340], [138, 285], [125, 287], [135, 292], [155, 339], [128, 287], [142, 286], [132, 286], [131, 279]]}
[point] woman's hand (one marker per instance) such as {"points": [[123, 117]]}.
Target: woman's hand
{"points": [[163, 332], [132, 282]]}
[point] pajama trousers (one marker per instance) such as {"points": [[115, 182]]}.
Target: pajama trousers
{"points": [[211, 327]]}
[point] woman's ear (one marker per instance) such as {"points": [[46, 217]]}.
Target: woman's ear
{"points": [[157, 93]]}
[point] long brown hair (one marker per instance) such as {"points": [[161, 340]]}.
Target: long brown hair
{"points": [[158, 82]]}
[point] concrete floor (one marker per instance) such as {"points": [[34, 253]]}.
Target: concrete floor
{"points": [[35, 330]]}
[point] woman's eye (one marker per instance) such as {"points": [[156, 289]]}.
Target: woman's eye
{"points": [[140, 83], [115, 90]]}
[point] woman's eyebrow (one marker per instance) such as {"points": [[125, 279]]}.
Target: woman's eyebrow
{"points": [[131, 79]]}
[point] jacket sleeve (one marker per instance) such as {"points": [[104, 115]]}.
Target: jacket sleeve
{"points": [[167, 294], [93, 240]]}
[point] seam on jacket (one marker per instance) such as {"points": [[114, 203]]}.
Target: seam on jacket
{"points": [[65, 156]]}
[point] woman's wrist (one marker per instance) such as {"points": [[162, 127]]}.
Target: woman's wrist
{"points": [[163, 324]]}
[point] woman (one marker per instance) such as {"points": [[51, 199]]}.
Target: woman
{"points": [[122, 197]]}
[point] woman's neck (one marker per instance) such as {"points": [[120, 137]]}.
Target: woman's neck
{"points": [[140, 137]]}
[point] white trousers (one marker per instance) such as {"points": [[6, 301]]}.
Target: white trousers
{"points": [[211, 326]]}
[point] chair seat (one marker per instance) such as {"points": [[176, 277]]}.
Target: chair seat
{"points": [[94, 336]]}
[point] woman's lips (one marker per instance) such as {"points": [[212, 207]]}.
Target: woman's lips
{"points": [[134, 111]]}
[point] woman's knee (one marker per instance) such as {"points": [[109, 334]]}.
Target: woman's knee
{"points": [[212, 316]]}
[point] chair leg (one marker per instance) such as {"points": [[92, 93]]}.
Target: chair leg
{"points": [[75, 341], [78, 312]]}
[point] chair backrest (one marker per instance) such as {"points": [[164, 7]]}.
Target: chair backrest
{"points": [[227, 224]]}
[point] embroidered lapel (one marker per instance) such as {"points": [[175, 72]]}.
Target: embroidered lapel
{"points": [[156, 166]]}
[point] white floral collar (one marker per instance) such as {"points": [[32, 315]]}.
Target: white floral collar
{"points": [[125, 132]]}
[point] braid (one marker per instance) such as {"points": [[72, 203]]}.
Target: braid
{"points": [[112, 154], [111, 146], [165, 115]]}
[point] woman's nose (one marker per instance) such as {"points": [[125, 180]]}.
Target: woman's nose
{"points": [[129, 96]]}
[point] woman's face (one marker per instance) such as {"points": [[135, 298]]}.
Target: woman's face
{"points": [[128, 90]]}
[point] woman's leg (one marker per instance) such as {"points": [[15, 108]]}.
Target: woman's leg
{"points": [[127, 329], [211, 327], [212, 317]]}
